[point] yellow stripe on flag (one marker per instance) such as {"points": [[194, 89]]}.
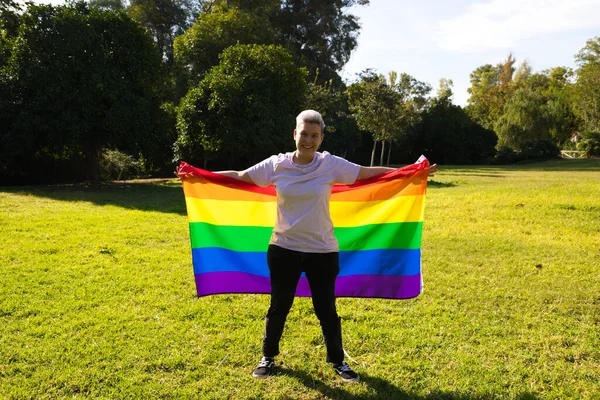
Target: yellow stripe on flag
{"points": [[343, 213]]}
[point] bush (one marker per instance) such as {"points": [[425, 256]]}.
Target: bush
{"points": [[590, 144], [115, 165], [504, 155], [542, 148]]}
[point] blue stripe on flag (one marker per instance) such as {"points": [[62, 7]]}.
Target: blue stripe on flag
{"points": [[394, 262]]}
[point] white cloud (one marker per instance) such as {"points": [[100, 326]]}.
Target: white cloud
{"points": [[505, 23]]}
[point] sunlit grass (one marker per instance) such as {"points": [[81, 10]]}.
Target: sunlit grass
{"points": [[97, 299]]}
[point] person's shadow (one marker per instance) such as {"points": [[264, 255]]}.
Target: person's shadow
{"points": [[380, 388]]}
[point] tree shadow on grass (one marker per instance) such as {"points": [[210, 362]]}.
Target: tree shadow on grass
{"points": [[159, 195], [436, 184], [558, 164], [381, 389]]}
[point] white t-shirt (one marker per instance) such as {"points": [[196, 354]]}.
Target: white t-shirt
{"points": [[303, 191]]}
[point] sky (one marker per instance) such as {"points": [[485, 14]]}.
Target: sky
{"points": [[434, 39]]}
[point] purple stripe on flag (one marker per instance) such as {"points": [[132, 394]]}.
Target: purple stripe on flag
{"points": [[381, 286]]}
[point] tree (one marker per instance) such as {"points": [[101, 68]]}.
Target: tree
{"points": [[342, 134], [320, 34], [108, 4], [524, 120], [243, 109], [586, 91], [373, 104], [586, 94], [559, 108], [590, 53], [165, 20], [447, 134], [10, 16], [481, 105], [387, 110], [198, 49], [491, 87], [539, 108], [444, 93], [81, 79]]}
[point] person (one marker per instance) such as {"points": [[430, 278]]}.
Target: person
{"points": [[302, 238]]}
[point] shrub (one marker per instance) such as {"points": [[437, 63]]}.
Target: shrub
{"points": [[590, 144], [116, 165], [542, 148], [504, 155]]}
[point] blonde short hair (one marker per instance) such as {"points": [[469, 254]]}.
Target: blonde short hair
{"points": [[311, 116]]}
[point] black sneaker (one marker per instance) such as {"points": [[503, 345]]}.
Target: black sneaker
{"points": [[345, 372], [264, 368]]}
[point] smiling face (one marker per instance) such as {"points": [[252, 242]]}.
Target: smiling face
{"points": [[308, 137]]}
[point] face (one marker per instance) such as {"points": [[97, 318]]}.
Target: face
{"points": [[308, 137]]}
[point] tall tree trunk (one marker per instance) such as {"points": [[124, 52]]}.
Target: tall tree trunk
{"points": [[373, 152], [382, 152], [93, 159], [389, 154]]}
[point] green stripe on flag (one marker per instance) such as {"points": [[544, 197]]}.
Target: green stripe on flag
{"points": [[400, 235]]}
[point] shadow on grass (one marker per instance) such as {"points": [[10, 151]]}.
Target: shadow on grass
{"points": [[491, 170], [380, 388], [160, 195], [485, 175], [436, 184], [559, 164]]}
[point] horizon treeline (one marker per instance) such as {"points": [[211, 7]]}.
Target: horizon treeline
{"points": [[115, 90]]}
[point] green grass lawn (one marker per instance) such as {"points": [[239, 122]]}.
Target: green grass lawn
{"points": [[97, 299]]}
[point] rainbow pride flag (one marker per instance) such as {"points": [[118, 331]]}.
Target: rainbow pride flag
{"points": [[378, 224]]}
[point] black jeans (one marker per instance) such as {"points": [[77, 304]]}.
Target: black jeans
{"points": [[321, 269]]}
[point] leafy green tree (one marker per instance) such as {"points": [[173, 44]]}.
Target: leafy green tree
{"points": [[538, 109], [374, 106], [491, 87], [387, 110], [81, 79], [590, 53], [342, 134], [520, 105], [590, 143], [108, 4], [524, 120], [586, 90], [262, 8], [320, 34], [165, 20], [445, 133], [115, 165], [10, 17], [198, 49], [444, 92], [559, 109], [586, 93], [414, 99], [244, 108], [482, 107]]}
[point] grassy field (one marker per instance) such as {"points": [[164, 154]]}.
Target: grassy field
{"points": [[97, 299]]}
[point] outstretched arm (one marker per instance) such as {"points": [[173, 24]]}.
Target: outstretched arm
{"points": [[241, 175], [369, 172]]}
